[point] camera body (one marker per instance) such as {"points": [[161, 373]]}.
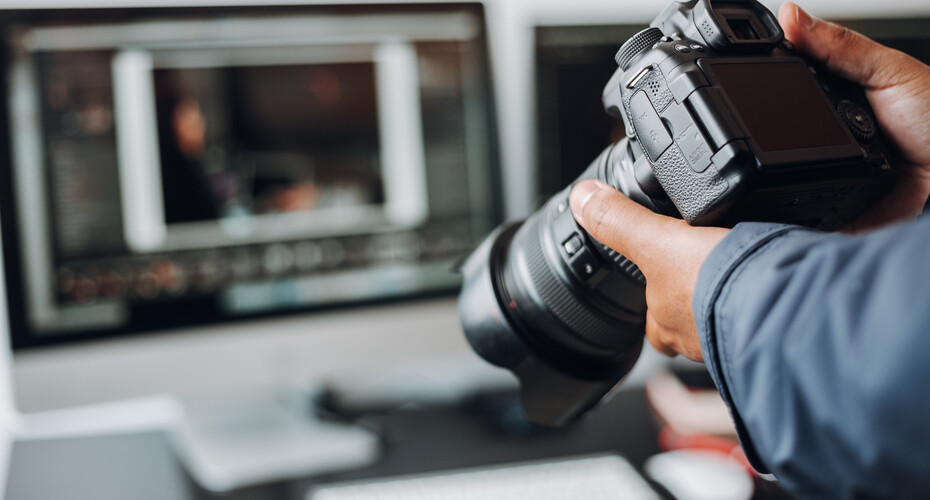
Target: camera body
{"points": [[735, 126], [725, 123]]}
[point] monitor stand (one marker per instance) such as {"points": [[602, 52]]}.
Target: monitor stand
{"points": [[228, 443]]}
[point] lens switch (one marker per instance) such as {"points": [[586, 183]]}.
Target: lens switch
{"points": [[573, 244]]}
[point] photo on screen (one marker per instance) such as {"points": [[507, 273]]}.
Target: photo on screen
{"points": [[237, 142]]}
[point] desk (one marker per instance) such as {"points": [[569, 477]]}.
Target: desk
{"points": [[480, 432]]}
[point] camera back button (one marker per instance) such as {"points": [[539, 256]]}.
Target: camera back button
{"points": [[649, 127], [688, 137], [694, 148]]}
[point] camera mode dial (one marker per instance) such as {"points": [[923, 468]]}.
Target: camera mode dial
{"points": [[857, 120], [636, 45]]}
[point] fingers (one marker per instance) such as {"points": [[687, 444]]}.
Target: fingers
{"points": [[619, 222], [844, 51]]}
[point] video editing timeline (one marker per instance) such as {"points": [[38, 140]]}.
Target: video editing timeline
{"points": [[213, 165]]}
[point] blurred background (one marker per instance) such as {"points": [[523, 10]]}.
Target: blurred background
{"points": [[230, 232]]}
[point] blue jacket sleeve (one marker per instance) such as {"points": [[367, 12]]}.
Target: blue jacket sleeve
{"points": [[820, 345]]}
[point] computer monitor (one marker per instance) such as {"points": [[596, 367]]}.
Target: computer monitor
{"points": [[233, 199], [173, 167]]}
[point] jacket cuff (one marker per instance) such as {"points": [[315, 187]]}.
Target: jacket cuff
{"points": [[742, 242]]}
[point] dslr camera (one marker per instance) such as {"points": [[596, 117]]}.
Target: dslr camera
{"points": [[725, 123]]}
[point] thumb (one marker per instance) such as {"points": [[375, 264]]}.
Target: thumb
{"points": [[620, 223], [843, 51]]}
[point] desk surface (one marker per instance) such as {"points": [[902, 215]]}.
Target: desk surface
{"points": [[484, 431]]}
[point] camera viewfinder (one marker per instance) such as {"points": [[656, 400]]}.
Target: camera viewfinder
{"points": [[742, 29]]}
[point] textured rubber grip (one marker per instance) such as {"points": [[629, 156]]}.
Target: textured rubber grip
{"points": [[622, 263], [637, 44]]}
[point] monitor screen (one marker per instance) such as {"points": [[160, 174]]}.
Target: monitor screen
{"points": [[170, 167], [244, 142]]}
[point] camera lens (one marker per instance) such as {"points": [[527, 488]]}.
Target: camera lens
{"points": [[545, 296]]}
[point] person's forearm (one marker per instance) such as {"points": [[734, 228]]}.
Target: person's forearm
{"points": [[819, 343]]}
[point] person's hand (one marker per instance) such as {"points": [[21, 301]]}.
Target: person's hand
{"points": [[898, 88], [668, 251]]}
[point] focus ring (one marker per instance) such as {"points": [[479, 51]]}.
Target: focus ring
{"points": [[623, 264], [638, 43], [582, 320]]}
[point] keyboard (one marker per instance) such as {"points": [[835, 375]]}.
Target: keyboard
{"points": [[589, 478]]}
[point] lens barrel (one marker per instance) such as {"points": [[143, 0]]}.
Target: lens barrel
{"points": [[561, 310]]}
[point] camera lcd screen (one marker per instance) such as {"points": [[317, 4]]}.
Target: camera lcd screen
{"points": [[781, 105]]}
